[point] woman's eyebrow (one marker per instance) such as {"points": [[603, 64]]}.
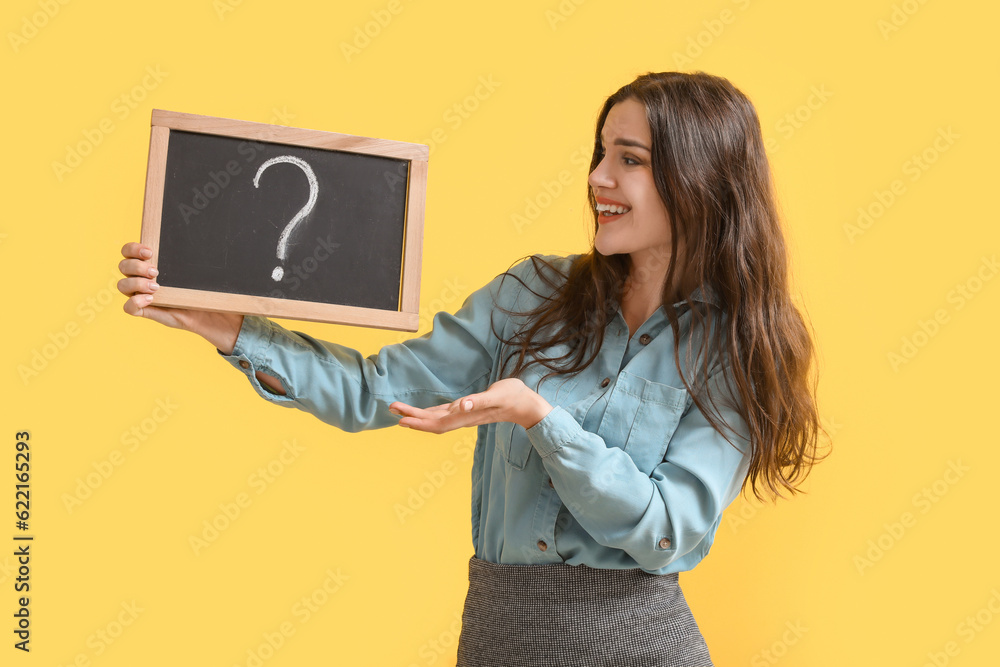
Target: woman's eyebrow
{"points": [[632, 142], [621, 141]]}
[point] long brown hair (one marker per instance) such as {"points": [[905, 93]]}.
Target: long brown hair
{"points": [[713, 175]]}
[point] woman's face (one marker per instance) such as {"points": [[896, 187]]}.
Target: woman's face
{"points": [[624, 179]]}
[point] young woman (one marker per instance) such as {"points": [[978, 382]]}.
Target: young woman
{"points": [[623, 397]]}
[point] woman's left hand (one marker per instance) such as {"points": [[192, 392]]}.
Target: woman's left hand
{"points": [[508, 400]]}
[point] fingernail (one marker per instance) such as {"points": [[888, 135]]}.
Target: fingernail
{"points": [[403, 425], [153, 273], [154, 286], [394, 411], [148, 298], [467, 405], [146, 252]]}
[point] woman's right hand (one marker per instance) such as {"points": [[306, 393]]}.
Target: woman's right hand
{"points": [[139, 285]]}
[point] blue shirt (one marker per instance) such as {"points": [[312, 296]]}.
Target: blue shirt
{"points": [[624, 472]]}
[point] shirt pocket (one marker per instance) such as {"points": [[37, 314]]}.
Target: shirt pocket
{"points": [[659, 411], [513, 444]]}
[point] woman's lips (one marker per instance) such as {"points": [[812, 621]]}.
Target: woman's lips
{"points": [[602, 218], [608, 216]]}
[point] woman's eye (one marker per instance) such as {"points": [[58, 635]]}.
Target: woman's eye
{"points": [[630, 160]]}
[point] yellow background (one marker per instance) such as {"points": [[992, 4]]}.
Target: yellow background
{"points": [[783, 585]]}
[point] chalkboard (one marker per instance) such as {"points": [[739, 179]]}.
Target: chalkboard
{"points": [[285, 222]]}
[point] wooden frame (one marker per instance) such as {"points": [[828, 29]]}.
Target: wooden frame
{"points": [[405, 319]]}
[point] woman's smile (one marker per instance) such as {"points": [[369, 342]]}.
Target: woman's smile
{"points": [[609, 210]]}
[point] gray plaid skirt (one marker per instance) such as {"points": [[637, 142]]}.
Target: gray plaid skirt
{"points": [[560, 615]]}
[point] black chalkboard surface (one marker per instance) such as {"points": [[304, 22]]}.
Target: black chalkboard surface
{"points": [[271, 220]]}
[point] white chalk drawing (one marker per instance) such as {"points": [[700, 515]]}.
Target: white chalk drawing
{"points": [[303, 212]]}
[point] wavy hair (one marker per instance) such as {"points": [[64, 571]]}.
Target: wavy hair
{"points": [[712, 173]]}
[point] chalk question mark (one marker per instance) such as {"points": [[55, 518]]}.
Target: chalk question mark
{"points": [[303, 212]]}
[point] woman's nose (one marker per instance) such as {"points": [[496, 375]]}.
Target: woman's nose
{"points": [[600, 177]]}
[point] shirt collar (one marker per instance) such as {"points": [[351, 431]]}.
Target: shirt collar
{"points": [[705, 294]]}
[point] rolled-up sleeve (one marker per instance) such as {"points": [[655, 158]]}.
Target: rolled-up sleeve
{"points": [[342, 387], [656, 518]]}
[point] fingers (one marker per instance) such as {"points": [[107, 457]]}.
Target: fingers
{"points": [[139, 282], [136, 251], [402, 409], [504, 400], [135, 263], [138, 305], [477, 401], [132, 286], [432, 420], [442, 418], [139, 285], [431, 425], [136, 267], [464, 404]]}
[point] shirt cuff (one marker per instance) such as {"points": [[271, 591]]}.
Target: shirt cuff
{"points": [[248, 355], [555, 430]]}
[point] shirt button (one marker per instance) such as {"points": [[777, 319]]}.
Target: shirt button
{"points": [[664, 543], [542, 545], [645, 338], [244, 363], [550, 483], [605, 382]]}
